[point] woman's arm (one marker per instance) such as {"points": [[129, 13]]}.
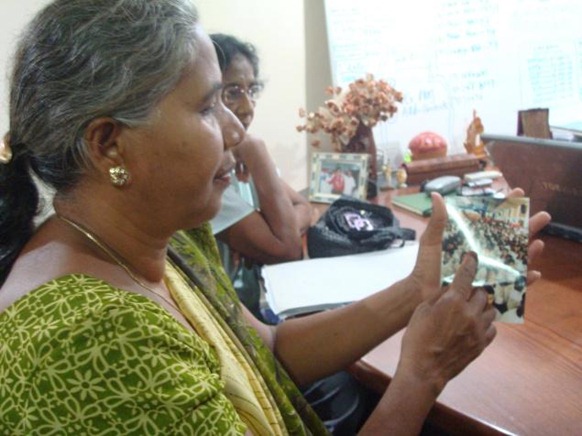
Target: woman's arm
{"points": [[331, 340], [302, 208], [313, 346], [272, 234], [443, 337]]}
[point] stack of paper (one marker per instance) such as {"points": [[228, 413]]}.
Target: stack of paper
{"points": [[317, 284]]}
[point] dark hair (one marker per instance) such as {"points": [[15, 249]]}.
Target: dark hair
{"points": [[228, 46], [79, 60]]}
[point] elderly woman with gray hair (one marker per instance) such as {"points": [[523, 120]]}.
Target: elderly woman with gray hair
{"points": [[116, 320]]}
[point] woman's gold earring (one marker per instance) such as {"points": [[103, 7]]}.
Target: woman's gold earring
{"points": [[5, 150], [119, 176]]}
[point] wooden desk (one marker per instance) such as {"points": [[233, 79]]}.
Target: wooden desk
{"points": [[529, 380]]}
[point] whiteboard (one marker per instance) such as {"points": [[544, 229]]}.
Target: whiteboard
{"points": [[449, 57]]}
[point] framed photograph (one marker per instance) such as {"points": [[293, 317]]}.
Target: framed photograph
{"points": [[497, 230], [337, 174]]}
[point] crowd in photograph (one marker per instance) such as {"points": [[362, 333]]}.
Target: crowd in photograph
{"points": [[502, 248]]}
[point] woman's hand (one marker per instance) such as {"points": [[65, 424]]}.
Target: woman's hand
{"points": [[250, 153], [446, 333], [443, 336], [426, 275], [536, 246]]}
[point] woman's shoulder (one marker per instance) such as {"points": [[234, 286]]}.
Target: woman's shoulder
{"points": [[74, 295], [76, 308], [53, 258], [116, 354]]}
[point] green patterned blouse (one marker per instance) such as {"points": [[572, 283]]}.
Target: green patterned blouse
{"points": [[78, 356]]}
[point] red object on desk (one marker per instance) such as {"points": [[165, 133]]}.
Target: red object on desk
{"points": [[427, 145]]}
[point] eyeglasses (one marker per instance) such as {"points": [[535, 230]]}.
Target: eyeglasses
{"points": [[233, 94]]}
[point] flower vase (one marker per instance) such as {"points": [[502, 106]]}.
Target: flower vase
{"points": [[363, 142]]}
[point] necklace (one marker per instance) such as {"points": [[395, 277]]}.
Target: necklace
{"points": [[114, 256]]}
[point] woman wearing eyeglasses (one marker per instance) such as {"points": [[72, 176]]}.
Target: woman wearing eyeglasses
{"points": [[252, 217], [262, 218]]}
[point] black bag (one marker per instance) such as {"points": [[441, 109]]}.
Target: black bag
{"points": [[353, 226]]}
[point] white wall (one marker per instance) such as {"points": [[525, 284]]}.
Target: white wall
{"points": [[318, 69], [15, 14], [276, 27]]}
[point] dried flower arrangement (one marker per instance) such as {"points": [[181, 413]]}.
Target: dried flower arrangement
{"points": [[367, 101]]}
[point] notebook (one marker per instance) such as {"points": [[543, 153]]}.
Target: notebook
{"points": [[313, 285], [550, 173], [418, 203]]}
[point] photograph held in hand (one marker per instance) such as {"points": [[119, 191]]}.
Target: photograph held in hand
{"points": [[497, 230]]}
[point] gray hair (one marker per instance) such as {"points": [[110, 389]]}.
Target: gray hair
{"points": [[76, 61], [83, 59]]}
